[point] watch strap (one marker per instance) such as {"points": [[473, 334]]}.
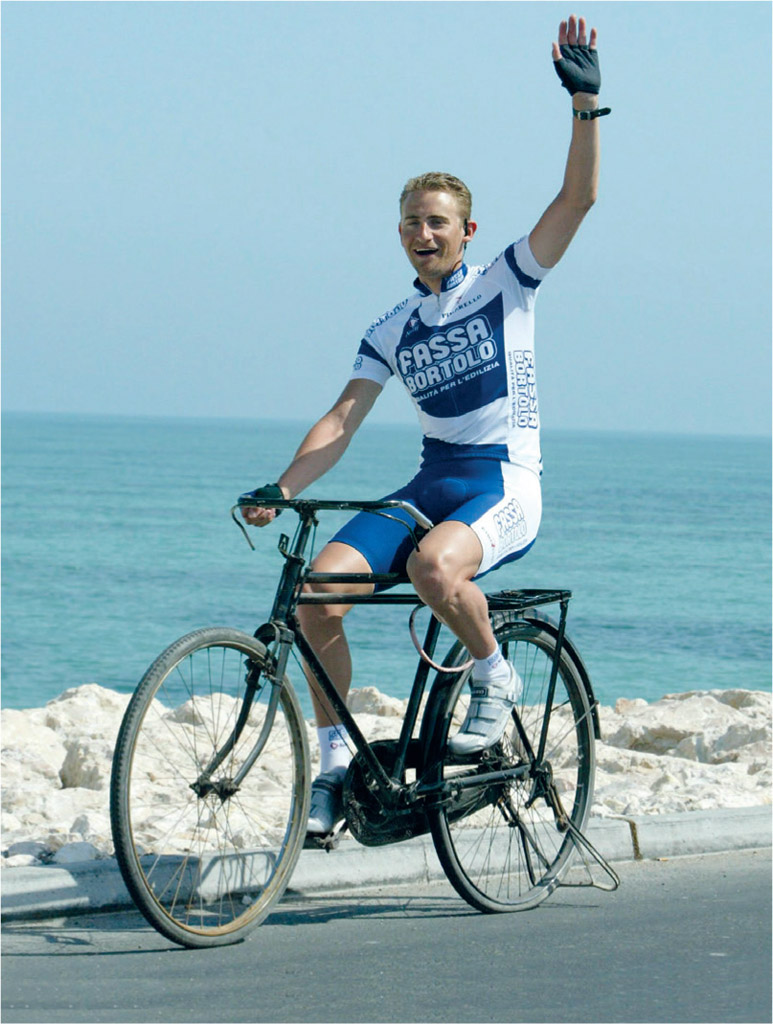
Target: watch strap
{"points": [[589, 115]]}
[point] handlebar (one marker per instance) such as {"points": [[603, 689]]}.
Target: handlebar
{"points": [[307, 508]]}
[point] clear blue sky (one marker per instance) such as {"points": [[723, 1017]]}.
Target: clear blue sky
{"points": [[200, 201]]}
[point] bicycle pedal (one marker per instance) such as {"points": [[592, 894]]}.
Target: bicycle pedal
{"points": [[327, 842]]}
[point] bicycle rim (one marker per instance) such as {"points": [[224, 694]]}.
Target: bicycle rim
{"points": [[203, 860], [504, 846]]}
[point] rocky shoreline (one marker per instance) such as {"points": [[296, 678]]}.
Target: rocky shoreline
{"points": [[698, 750]]}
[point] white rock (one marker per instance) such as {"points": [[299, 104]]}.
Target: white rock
{"points": [[368, 700], [631, 782], [20, 860], [624, 705], [73, 853], [689, 751], [92, 826], [26, 740], [87, 763], [701, 726], [25, 770], [27, 849], [8, 823], [90, 709]]}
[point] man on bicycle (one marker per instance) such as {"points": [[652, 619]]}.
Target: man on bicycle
{"points": [[463, 345]]}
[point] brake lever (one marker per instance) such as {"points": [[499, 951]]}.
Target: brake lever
{"points": [[241, 526]]}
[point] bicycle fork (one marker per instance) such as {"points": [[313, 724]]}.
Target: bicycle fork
{"points": [[273, 634], [273, 672], [227, 786]]}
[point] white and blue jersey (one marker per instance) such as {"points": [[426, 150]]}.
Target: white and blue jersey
{"points": [[466, 357]]}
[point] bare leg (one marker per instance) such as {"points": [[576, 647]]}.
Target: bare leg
{"points": [[323, 626], [441, 571]]}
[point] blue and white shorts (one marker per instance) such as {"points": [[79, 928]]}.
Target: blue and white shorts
{"points": [[501, 502]]}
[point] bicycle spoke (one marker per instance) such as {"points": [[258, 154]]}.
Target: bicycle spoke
{"points": [[206, 859], [511, 855]]}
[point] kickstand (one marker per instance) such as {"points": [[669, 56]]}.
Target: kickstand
{"points": [[580, 840]]}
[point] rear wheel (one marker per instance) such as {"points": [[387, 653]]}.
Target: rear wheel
{"points": [[505, 845], [205, 857]]}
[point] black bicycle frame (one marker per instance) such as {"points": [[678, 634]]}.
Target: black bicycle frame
{"points": [[283, 630]]}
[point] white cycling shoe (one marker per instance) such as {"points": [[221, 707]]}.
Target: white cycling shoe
{"points": [[326, 802], [487, 716]]}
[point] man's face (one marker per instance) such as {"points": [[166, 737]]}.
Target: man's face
{"points": [[433, 234]]}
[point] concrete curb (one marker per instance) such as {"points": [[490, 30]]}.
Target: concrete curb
{"points": [[52, 891], [665, 835]]}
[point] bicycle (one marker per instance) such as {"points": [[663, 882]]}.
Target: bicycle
{"points": [[209, 796]]}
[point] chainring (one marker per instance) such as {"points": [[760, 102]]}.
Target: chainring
{"points": [[369, 820]]}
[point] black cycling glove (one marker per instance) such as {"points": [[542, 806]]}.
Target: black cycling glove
{"points": [[578, 69], [269, 492]]}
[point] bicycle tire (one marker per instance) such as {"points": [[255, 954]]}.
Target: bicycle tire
{"points": [[501, 852], [206, 866]]}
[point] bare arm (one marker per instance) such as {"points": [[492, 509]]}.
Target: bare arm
{"points": [[324, 444], [557, 226], [329, 438]]}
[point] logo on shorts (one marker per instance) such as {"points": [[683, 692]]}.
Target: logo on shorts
{"points": [[511, 522]]}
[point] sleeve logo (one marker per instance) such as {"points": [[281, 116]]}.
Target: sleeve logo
{"points": [[523, 390]]}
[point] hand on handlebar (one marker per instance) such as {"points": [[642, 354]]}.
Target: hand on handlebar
{"points": [[259, 516], [262, 516]]}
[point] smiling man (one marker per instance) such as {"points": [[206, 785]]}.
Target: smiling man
{"points": [[431, 223], [463, 345]]}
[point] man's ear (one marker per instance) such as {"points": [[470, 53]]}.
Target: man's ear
{"points": [[470, 227]]}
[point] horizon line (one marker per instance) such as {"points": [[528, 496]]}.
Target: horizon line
{"points": [[295, 421]]}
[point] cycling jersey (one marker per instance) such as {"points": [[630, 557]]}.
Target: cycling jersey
{"points": [[466, 357]]}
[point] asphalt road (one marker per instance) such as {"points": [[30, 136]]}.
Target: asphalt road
{"points": [[687, 939]]}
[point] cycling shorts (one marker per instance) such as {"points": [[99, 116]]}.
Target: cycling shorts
{"points": [[501, 502]]}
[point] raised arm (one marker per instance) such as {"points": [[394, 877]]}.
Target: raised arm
{"points": [[324, 444], [576, 62]]}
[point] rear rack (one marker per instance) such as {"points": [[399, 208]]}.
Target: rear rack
{"points": [[520, 600]]}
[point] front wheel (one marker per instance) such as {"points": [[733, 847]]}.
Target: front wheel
{"points": [[204, 854], [506, 844]]}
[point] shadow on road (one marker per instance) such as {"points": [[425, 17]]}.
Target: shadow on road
{"points": [[77, 935]]}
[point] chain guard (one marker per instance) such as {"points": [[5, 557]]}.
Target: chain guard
{"points": [[370, 822]]}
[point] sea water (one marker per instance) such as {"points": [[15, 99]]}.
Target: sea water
{"points": [[117, 539]]}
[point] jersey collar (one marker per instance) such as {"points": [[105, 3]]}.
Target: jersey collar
{"points": [[450, 282]]}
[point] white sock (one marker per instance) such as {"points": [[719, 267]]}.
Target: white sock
{"points": [[334, 752], [493, 669]]}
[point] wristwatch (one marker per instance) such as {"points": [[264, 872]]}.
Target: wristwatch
{"points": [[589, 115]]}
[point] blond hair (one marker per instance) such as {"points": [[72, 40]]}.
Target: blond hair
{"points": [[439, 181]]}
